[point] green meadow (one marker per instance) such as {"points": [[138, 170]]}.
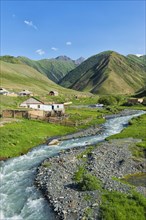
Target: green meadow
{"points": [[17, 138]]}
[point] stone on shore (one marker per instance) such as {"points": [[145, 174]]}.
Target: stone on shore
{"points": [[54, 142]]}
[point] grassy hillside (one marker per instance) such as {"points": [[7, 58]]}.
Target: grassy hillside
{"points": [[140, 60], [107, 73], [54, 69], [16, 77], [20, 76]]}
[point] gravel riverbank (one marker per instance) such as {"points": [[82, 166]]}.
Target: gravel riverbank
{"points": [[106, 160]]}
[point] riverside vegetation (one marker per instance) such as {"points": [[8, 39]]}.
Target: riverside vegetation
{"points": [[17, 138], [136, 129]]}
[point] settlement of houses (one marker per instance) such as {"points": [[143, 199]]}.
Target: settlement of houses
{"points": [[35, 108]]}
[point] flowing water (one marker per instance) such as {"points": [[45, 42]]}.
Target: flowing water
{"points": [[19, 198]]}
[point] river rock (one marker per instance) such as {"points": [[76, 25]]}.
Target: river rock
{"points": [[54, 142], [108, 160]]}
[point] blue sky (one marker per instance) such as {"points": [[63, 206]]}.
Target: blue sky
{"points": [[46, 29]]}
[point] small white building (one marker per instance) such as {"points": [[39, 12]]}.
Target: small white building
{"points": [[25, 93], [34, 103]]}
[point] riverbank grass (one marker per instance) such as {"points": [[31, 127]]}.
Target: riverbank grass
{"points": [[136, 129], [120, 206], [17, 138], [85, 117]]}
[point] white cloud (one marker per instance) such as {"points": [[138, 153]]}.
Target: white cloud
{"points": [[139, 55], [30, 23], [40, 52], [68, 43], [54, 48]]}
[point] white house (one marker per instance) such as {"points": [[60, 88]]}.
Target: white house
{"points": [[34, 103]]}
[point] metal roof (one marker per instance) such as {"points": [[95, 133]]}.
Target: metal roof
{"points": [[32, 101]]}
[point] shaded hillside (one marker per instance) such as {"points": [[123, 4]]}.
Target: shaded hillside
{"points": [[54, 69], [107, 73]]}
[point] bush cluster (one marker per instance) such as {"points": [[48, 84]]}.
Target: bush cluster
{"points": [[86, 181], [111, 100]]}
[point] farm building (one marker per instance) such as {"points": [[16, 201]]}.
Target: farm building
{"points": [[31, 103], [53, 93], [34, 103], [25, 93]]}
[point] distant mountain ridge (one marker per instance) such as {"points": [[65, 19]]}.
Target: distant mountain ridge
{"points": [[54, 69], [108, 73], [104, 73]]}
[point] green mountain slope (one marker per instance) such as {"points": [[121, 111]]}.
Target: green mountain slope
{"points": [[18, 76], [54, 69], [140, 60], [107, 73]]}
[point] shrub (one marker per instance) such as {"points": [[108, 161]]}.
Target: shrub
{"points": [[107, 100], [112, 109], [90, 182], [86, 181], [78, 175]]}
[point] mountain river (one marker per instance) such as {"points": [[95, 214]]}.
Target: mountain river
{"points": [[19, 198]]}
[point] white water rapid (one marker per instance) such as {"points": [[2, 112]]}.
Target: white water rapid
{"points": [[19, 198]]}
